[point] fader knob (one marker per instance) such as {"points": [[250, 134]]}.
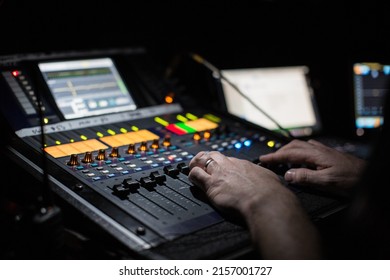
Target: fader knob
{"points": [[101, 155], [159, 178], [114, 152], [87, 158], [171, 171], [74, 160], [183, 168]]}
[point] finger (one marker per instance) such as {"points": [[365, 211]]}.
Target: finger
{"points": [[294, 156], [199, 177], [305, 177], [199, 159]]}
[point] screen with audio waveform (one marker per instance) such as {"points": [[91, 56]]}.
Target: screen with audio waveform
{"points": [[370, 85], [89, 87]]}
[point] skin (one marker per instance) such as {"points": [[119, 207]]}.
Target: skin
{"points": [[323, 167], [279, 226]]}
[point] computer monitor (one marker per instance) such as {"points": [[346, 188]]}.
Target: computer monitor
{"points": [[370, 85], [283, 93]]}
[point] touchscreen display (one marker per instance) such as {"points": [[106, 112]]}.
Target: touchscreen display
{"points": [[89, 87]]}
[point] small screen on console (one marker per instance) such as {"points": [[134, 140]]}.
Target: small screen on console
{"points": [[371, 81], [88, 87]]}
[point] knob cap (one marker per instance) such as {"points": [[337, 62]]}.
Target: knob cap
{"points": [[101, 155], [74, 160], [155, 145], [131, 149], [143, 147], [87, 158], [167, 141], [114, 152]]}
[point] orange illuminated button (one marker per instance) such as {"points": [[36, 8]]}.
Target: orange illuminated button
{"points": [[79, 147]]}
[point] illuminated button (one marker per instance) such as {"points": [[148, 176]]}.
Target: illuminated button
{"points": [[247, 143], [271, 143], [238, 145]]}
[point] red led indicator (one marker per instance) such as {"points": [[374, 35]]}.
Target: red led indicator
{"points": [[15, 73]]}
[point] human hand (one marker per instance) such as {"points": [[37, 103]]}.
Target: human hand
{"points": [[326, 168], [279, 226], [232, 183]]}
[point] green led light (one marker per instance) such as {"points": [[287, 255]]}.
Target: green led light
{"points": [[186, 128]]}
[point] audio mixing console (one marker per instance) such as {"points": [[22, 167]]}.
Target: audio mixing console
{"points": [[115, 156]]}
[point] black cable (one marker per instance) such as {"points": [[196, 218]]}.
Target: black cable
{"points": [[199, 59], [47, 232]]}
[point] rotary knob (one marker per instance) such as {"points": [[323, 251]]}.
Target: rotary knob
{"points": [[101, 155], [167, 141], [155, 145], [74, 160], [87, 158], [143, 147], [114, 152], [131, 149]]}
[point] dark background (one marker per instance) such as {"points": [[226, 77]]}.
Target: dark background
{"points": [[325, 35]]}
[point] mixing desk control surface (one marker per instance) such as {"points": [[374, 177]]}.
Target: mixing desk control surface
{"points": [[95, 123]]}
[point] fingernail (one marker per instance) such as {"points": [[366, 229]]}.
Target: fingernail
{"points": [[289, 175]]}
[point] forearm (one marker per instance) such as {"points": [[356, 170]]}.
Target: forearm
{"points": [[280, 229]]}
